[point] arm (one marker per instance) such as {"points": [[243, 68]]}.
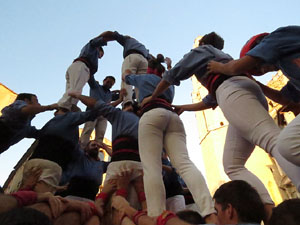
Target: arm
{"points": [[273, 94], [234, 67], [168, 62], [88, 101], [123, 93], [35, 109], [191, 107], [106, 148]]}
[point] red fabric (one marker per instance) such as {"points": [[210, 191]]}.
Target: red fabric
{"points": [[251, 43], [102, 195], [93, 207], [137, 215], [25, 198], [122, 192], [164, 217], [142, 196]]}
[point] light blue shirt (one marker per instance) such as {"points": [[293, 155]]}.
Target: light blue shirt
{"points": [[147, 83], [195, 63]]}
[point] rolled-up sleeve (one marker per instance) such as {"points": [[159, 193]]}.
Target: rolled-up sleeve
{"points": [[119, 38], [209, 100], [98, 41]]}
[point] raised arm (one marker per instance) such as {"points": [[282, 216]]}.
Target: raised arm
{"points": [[123, 93], [35, 109]]}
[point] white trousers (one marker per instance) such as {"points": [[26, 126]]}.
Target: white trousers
{"points": [[138, 65], [77, 76], [289, 142], [175, 203], [245, 107], [160, 128], [99, 125]]}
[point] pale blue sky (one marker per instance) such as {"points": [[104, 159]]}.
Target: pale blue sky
{"points": [[39, 40]]}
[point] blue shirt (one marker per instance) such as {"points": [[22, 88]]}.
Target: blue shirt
{"points": [[66, 125], [84, 166], [123, 123], [91, 52], [130, 43], [195, 63], [98, 91], [147, 83], [19, 125], [281, 48]]}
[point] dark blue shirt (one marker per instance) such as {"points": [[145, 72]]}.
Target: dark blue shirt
{"points": [[91, 52], [18, 124], [98, 91], [282, 49], [84, 166], [123, 123], [130, 43], [146, 84]]}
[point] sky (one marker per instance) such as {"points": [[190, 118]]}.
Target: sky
{"points": [[40, 39]]}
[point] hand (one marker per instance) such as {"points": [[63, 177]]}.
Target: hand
{"points": [[74, 94], [178, 109], [293, 107], [53, 106], [107, 36], [83, 208], [146, 100], [57, 205], [31, 177], [168, 61], [214, 67], [99, 203], [123, 92], [110, 186]]}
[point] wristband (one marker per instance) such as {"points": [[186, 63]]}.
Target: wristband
{"points": [[122, 192], [164, 217], [137, 215], [141, 196], [25, 197], [102, 196]]}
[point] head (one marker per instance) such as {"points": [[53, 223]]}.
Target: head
{"points": [[127, 106], [238, 202], [30, 99], [108, 82], [190, 216], [101, 52], [286, 212], [61, 111], [262, 67], [50, 177], [92, 149], [212, 39], [155, 65]]}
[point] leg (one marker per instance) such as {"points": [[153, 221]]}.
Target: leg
{"points": [[289, 142], [175, 145], [100, 128], [77, 75], [86, 133], [151, 128], [237, 150]]}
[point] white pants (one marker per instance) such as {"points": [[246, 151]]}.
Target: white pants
{"points": [[138, 65], [289, 142], [245, 107], [160, 128], [76, 76], [175, 203], [99, 125]]}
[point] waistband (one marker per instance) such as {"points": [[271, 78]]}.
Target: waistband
{"points": [[157, 103], [133, 51], [125, 148]]}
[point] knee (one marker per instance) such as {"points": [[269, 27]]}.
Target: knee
{"points": [[230, 168]]}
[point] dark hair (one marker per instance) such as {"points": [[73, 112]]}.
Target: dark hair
{"points": [[23, 96], [286, 212], [190, 216], [243, 198], [155, 64], [24, 216], [110, 77], [213, 39]]}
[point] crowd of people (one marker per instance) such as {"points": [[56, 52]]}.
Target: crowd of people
{"points": [[150, 178]]}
